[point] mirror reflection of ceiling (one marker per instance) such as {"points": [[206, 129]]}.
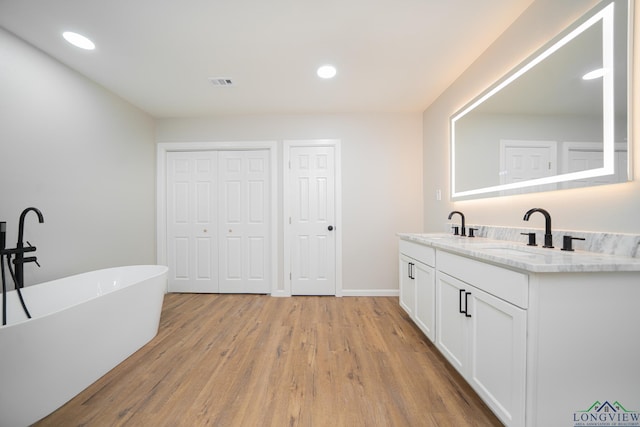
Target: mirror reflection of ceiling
{"points": [[555, 85]]}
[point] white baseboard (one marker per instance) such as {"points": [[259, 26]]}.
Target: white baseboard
{"points": [[370, 292], [280, 294], [353, 293]]}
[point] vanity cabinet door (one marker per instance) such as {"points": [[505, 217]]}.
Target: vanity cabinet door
{"points": [[484, 338], [425, 310], [417, 293], [407, 285], [497, 355], [451, 324]]}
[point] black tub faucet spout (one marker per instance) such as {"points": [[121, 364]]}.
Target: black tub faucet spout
{"points": [[548, 237], [463, 231], [19, 257], [22, 216]]}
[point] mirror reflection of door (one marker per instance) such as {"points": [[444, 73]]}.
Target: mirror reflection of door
{"points": [[526, 160], [578, 156]]}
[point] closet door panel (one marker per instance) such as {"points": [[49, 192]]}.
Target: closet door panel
{"points": [[192, 248], [244, 221]]}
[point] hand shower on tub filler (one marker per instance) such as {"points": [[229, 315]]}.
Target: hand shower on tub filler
{"points": [[3, 235], [19, 260]]}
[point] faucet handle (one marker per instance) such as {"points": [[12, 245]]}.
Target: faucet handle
{"points": [[30, 259], [532, 238], [472, 232], [567, 242], [456, 230]]}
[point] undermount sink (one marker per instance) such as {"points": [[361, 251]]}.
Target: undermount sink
{"points": [[454, 238], [499, 249], [510, 251]]}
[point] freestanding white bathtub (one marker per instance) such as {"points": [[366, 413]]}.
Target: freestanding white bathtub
{"points": [[82, 326]]}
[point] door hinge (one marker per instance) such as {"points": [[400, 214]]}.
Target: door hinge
{"points": [[290, 276], [289, 220]]}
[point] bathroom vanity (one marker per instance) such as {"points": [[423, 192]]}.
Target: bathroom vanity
{"points": [[545, 337]]}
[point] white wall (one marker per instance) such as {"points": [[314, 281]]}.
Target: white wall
{"points": [[381, 179], [611, 208], [81, 155]]}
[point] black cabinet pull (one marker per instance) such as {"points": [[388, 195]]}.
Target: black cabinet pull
{"points": [[410, 270], [466, 304]]}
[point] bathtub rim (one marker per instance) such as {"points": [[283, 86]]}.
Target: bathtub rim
{"points": [[161, 269]]}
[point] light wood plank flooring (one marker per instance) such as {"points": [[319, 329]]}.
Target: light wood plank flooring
{"points": [[253, 360]]}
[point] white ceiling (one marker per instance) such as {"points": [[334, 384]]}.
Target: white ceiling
{"points": [[391, 55]]}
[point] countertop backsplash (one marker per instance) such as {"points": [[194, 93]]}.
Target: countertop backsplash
{"points": [[599, 242]]}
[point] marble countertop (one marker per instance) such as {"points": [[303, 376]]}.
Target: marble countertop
{"points": [[533, 259]]}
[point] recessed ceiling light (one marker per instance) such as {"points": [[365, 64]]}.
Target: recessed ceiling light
{"points": [[327, 72], [595, 74], [78, 40]]}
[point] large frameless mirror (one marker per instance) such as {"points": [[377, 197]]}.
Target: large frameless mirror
{"points": [[560, 120]]}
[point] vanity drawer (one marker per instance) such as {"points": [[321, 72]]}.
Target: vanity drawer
{"points": [[508, 285], [422, 253]]}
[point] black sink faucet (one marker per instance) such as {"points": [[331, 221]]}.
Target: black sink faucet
{"points": [[463, 231], [19, 255], [548, 237]]}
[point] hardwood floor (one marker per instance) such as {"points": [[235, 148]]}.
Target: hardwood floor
{"points": [[252, 360]]}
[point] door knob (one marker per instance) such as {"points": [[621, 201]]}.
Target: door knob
{"points": [[330, 228]]}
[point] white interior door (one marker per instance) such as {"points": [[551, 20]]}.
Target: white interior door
{"points": [[244, 222], [191, 221], [312, 220]]}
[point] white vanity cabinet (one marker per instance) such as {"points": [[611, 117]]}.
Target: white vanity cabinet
{"points": [[484, 334], [417, 285], [545, 337]]}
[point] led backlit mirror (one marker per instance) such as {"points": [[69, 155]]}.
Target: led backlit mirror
{"points": [[545, 127]]}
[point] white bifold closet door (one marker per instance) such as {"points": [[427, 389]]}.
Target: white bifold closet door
{"points": [[192, 246], [243, 225], [217, 221]]}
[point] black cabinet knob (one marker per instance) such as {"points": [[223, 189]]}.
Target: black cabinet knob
{"points": [[330, 228]]}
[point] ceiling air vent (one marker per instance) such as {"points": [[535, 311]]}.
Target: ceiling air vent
{"points": [[221, 81]]}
